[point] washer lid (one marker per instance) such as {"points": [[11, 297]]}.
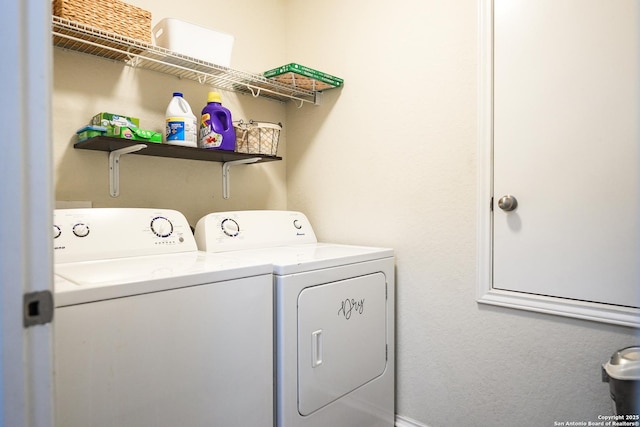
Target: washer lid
{"points": [[624, 364], [89, 281], [293, 259]]}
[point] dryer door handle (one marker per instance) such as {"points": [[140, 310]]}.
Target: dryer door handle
{"points": [[316, 348]]}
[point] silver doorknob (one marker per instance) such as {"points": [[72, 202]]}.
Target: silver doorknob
{"points": [[507, 203]]}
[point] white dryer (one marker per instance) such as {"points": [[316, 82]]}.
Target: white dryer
{"points": [[334, 317], [149, 331]]}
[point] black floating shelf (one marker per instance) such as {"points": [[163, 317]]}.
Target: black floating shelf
{"points": [[108, 144]]}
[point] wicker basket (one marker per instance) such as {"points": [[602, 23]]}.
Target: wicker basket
{"points": [[112, 16], [257, 137]]}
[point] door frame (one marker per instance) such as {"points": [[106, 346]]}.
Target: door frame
{"points": [[26, 195], [485, 293]]}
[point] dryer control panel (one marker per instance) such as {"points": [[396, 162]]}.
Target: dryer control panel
{"points": [[104, 233], [238, 230]]}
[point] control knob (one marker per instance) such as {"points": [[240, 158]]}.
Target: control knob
{"points": [[161, 226], [230, 227], [81, 229]]}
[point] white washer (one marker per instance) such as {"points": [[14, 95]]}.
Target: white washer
{"points": [[334, 317], [151, 332]]}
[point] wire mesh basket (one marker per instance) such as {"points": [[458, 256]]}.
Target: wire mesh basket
{"points": [[254, 137], [112, 16]]}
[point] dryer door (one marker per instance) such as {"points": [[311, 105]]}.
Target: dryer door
{"points": [[341, 338]]}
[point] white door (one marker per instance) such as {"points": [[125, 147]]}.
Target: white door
{"points": [[567, 147], [25, 211]]}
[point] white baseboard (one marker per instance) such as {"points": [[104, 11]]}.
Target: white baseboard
{"points": [[407, 422]]}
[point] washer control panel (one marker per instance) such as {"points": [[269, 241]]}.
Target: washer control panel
{"points": [[236, 230], [103, 233]]}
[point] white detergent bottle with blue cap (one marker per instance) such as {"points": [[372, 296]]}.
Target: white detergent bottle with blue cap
{"points": [[181, 123]]}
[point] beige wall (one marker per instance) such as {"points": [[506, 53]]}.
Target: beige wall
{"points": [[388, 160], [391, 160]]}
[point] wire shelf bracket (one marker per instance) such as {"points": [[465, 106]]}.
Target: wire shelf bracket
{"points": [[226, 177], [114, 167]]}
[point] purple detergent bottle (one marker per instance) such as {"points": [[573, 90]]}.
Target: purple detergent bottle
{"points": [[216, 126]]}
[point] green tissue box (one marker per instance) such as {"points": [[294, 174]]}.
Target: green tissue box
{"points": [[110, 119]]}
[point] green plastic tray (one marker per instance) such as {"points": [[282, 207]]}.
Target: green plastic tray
{"points": [[304, 77]]}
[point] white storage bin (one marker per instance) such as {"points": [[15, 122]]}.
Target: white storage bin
{"points": [[194, 41]]}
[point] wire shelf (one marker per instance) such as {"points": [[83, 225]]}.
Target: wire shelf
{"points": [[83, 38]]}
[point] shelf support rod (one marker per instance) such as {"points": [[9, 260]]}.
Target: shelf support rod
{"points": [[114, 167], [226, 176]]}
